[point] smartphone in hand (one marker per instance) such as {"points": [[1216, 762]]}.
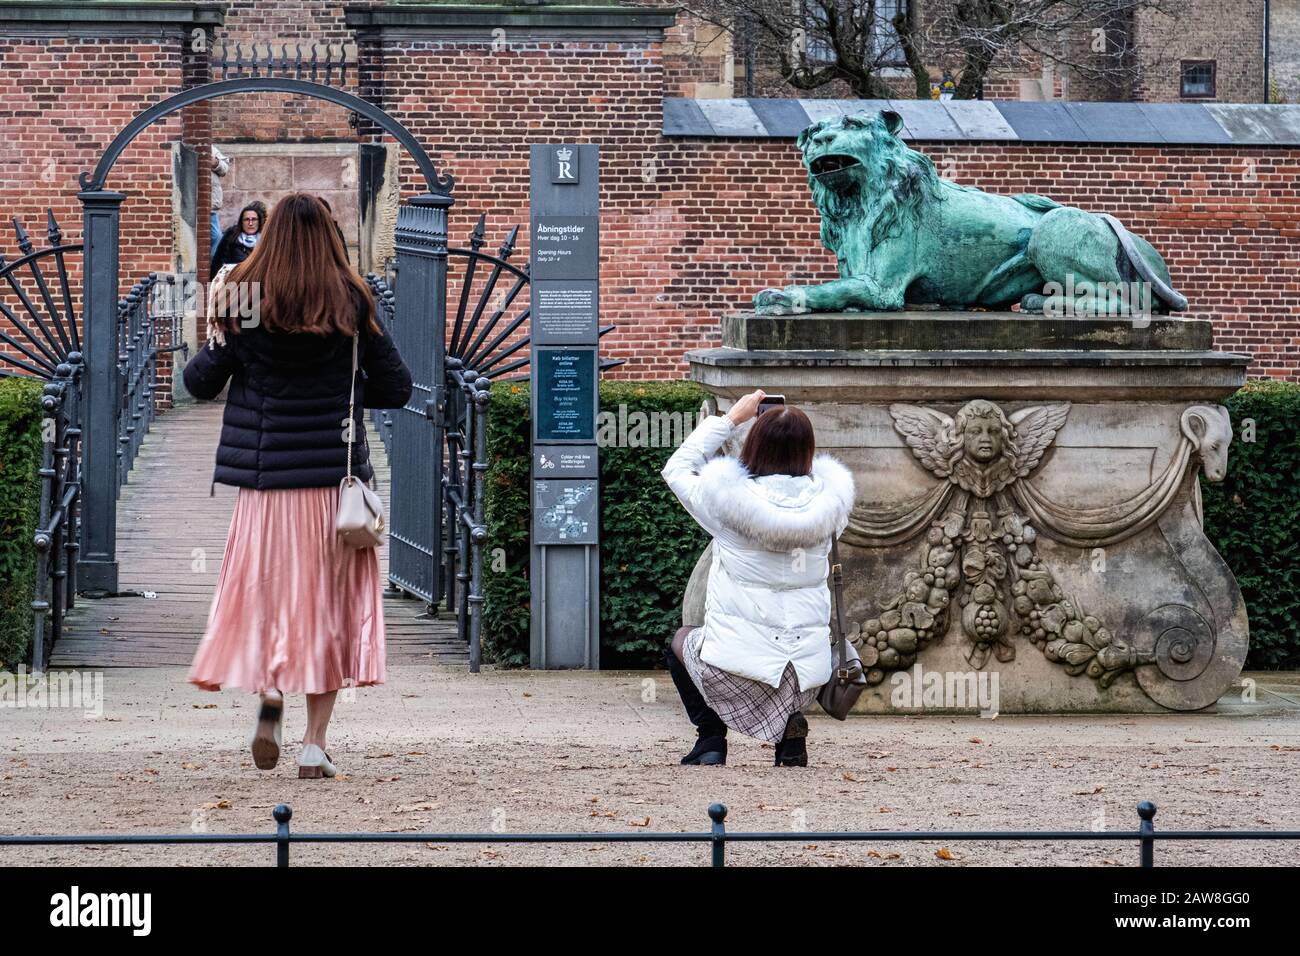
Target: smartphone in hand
{"points": [[769, 402]]}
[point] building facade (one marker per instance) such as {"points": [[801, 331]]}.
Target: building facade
{"points": [[704, 200]]}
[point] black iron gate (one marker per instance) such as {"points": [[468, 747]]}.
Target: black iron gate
{"points": [[40, 340], [437, 443]]}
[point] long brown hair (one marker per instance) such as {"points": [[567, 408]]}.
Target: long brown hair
{"points": [[780, 442], [304, 280]]}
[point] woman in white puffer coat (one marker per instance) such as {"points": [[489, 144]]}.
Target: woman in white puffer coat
{"points": [[764, 649]]}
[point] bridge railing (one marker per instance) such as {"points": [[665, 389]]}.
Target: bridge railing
{"points": [[41, 339]]}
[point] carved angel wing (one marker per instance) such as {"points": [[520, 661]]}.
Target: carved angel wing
{"points": [[929, 434], [1036, 426]]}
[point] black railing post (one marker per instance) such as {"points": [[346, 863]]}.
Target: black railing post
{"points": [[477, 484], [282, 814], [1147, 811], [102, 378], [718, 813]]}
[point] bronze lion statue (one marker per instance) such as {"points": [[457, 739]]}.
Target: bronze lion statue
{"points": [[902, 235]]}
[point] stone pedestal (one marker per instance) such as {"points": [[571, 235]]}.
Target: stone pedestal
{"points": [[1028, 514]]}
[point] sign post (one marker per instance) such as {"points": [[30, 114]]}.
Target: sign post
{"points": [[565, 266]]}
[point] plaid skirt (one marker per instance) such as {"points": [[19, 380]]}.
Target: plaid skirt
{"points": [[746, 705]]}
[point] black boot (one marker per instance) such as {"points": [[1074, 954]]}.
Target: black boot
{"points": [[792, 749], [711, 747]]}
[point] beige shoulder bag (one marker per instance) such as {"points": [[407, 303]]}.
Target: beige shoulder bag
{"points": [[359, 522]]}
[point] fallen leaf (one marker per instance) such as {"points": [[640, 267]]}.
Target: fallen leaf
{"points": [[944, 853], [639, 823]]}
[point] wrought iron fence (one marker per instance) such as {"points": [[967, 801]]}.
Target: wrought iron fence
{"points": [[333, 64], [57, 525], [384, 309], [717, 837], [41, 339], [487, 341], [149, 326]]}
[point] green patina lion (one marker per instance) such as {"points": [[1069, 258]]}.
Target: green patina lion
{"points": [[904, 236]]}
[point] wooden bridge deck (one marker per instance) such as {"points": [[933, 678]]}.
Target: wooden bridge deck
{"points": [[170, 539]]}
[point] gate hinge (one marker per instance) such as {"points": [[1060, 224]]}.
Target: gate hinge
{"points": [[433, 409]]}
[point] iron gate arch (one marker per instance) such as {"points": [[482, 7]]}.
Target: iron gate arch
{"points": [[437, 441], [418, 303]]}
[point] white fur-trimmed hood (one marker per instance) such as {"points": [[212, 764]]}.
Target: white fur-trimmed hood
{"points": [[778, 515]]}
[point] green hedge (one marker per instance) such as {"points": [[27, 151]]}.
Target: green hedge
{"points": [[20, 498], [1253, 518], [649, 543]]}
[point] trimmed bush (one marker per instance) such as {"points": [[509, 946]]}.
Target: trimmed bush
{"points": [[1253, 517], [20, 499], [649, 543]]}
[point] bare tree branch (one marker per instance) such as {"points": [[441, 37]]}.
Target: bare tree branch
{"points": [[863, 43]]}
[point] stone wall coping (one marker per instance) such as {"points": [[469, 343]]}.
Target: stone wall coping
{"points": [[119, 16], [828, 358], [1159, 124], [599, 18], [928, 330]]}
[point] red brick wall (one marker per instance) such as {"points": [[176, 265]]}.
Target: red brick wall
{"points": [[692, 228], [62, 101], [276, 117], [1223, 218]]}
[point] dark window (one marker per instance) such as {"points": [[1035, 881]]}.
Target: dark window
{"points": [[1198, 78], [873, 26]]}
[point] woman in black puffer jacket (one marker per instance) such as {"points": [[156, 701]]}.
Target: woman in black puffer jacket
{"points": [[295, 610]]}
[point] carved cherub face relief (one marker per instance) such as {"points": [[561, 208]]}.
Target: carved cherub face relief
{"points": [[983, 438], [982, 450]]}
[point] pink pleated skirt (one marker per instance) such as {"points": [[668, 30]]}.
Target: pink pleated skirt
{"points": [[294, 609]]}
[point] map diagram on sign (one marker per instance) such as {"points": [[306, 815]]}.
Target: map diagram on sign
{"points": [[566, 511]]}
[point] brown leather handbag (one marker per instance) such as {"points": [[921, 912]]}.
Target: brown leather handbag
{"points": [[848, 679]]}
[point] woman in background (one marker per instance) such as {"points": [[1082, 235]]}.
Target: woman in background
{"points": [[238, 242]]}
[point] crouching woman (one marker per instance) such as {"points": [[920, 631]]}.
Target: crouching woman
{"points": [[764, 649]]}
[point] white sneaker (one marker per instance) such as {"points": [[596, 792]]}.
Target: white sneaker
{"points": [[314, 763], [268, 733]]}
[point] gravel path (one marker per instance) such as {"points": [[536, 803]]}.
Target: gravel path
{"points": [[437, 749]]}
